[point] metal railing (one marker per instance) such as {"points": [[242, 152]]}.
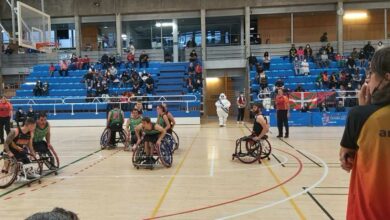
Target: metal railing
{"points": [[73, 101]]}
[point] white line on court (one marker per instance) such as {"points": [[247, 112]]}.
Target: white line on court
{"points": [[324, 175], [212, 160]]}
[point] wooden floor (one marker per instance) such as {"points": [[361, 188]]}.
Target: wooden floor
{"points": [[302, 180]]}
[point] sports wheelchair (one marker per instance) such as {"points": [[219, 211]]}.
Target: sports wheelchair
{"points": [[161, 154], [176, 139], [106, 136], [48, 157], [248, 151], [13, 170]]}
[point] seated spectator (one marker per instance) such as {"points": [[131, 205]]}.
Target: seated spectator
{"points": [[8, 51], [191, 69], [351, 66], [330, 51], [139, 106], [308, 53], [323, 107], [89, 79], [324, 60], [300, 53], [52, 69], [99, 87], [193, 56], [266, 61], [299, 88], [305, 107], [297, 66], [86, 62], [305, 70], [342, 93], [198, 84], [252, 60], [136, 88], [63, 68], [112, 60], [369, 50], [168, 57], [333, 81], [109, 77], [262, 80], [340, 106], [279, 84], [319, 83], [73, 62], [325, 78], [45, 89], [362, 58], [113, 71], [343, 79], [31, 113], [90, 94], [190, 43], [356, 79], [130, 60], [149, 82], [20, 117], [292, 53], [198, 71], [340, 60], [37, 91], [143, 60], [350, 99], [324, 37], [125, 79], [190, 84], [104, 84], [104, 61], [355, 54]]}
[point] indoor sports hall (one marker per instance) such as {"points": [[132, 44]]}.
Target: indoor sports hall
{"points": [[176, 109]]}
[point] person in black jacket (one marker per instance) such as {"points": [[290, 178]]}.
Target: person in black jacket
{"points": [[31, 113], [143, 60], [20, 117], [104, 60], [369, 50]]}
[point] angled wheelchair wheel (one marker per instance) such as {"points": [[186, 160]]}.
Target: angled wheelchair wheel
{"points": [[170, 141], [105, 138], [249, 153], [9, 170], [177, 141], [50, 159], [138, 155], [37, 164], [123, 138], [164, 152], [266, 149]]}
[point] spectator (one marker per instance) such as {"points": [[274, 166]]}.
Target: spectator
{"points": [[104, 60], [279, 84], [191, 69], [300, 53], [89, 78], [369, 50], [113, 71], [198, 71], [20, 117], [241, 104], [362, 58], [149, 82], [190, 43], [190, 84], [355, 54], [380, 46], [342, 93], [323, 107], [139, 106], [351, 65], [86, 62], [324, 60], [56, 213], [305, 70], [305, 107], [266, 61], [297, 66], [8, 51], [143, 60], [198, 84], [308, 52], [131, 48], [104, 85], [252, 60], [319, 82], [325, 78], [356, 79], [112, 60], [31, 113], [299, 88], [45, 89], [340, 60], [262, 80], [282, 113], [125, 79], [329, 50], [37, 91], [63, 68], [333, 81], [324, 37], [73, 62], [130, 60], [52, 69], [193, 56], [340, 106], [292, 53]]}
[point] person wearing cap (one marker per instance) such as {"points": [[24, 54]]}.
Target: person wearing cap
{"points": [[223, 106]]}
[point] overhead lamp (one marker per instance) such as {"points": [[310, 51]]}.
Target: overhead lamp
{"points": [[355, 15], [164, 24]]}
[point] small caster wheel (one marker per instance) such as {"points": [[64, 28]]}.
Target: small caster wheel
{"points": [[137, 167], [55, 173], [269, 158], [39, 181]]}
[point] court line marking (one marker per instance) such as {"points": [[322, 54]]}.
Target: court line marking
{"points": [[319, 204], [170, 182], [283, 188], [300, 167], [212, 160], [324, 175], [47, 174]]}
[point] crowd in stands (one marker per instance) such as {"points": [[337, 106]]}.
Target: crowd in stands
{"points": [[195, 80], [41, 89]]}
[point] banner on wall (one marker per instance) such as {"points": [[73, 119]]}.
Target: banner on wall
{"points": [[297, 99], [329, 119]]}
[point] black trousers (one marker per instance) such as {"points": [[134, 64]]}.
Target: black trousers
{"points": [[282, 119], [241, 112], [4, 123]]}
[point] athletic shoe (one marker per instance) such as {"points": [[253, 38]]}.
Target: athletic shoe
{"points": [[279, 136], [285, 136], [221, 126]]}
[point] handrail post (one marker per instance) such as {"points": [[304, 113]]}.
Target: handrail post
{"points": [[187, 110], [96, 113], [55, 112], [72, 109]]}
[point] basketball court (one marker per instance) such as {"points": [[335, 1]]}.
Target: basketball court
{"points": [[302, 179]]}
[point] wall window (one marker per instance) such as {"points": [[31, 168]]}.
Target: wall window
{"points": [[364, 24], [309, 27], [223, 31], [98, 36], [64, 35], [274, 29]]}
